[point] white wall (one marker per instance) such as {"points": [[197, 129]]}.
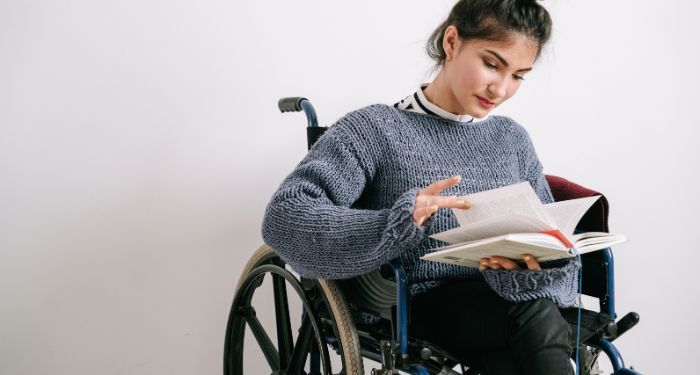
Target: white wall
{"points": [[140, 142]]}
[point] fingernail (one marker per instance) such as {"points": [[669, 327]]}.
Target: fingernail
{"points": [[527, 258], [484, 263], [434, 208], [481, 268], [457, 177], [494, 261]]}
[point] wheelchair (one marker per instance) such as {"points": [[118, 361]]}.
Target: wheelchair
{"points": [[332, 340]]}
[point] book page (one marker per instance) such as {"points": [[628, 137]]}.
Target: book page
{"points": [[567, 214], [491, 227], [517, 198], [591, 241]]}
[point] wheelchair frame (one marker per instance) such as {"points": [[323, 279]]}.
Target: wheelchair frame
{"points": [[393, 350]]}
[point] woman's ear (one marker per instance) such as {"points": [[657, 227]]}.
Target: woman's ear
{"points": [[450, 42]]}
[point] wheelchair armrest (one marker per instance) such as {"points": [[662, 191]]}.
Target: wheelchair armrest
{"points": [[599, 278]]}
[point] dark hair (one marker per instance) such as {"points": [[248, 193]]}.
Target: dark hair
{"points": [[492, 20]]}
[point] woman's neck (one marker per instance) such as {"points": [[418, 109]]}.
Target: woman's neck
{"points": [[439, 94]]}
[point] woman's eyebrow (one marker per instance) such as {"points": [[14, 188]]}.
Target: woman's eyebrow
{"points": [[504, 62]]}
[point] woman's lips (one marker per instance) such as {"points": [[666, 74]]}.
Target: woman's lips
{"points": [[485, 103]]}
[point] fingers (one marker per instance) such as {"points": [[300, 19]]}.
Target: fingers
{"points": [[442, 201], [504, 263], [484, 263], [532, 263], [420, 215], [428, 202], [453, 202], [438, 186], [489, 263], [497, 263]]}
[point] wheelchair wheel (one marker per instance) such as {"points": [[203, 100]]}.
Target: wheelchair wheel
{"points": [[325, 323]]}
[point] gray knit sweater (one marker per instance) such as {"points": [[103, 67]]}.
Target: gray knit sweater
{"points": [[346, 207]]}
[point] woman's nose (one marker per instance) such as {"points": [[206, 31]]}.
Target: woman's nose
{"points": [[498, 89]]}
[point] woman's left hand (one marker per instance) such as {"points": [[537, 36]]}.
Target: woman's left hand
{"points": [[501, 263]]}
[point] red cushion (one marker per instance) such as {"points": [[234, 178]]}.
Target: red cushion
{"points": [[596, 219]]}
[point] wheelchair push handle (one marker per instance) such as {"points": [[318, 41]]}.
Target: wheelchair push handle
{"points": [[290, 104], [296, 104]]}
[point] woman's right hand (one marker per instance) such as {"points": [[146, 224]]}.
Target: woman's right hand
{"points": [[428, 201]]}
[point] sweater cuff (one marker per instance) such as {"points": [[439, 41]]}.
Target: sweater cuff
{"points": [[401, 230], [559, 284]]}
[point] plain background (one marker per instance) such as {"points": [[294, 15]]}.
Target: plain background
{"points": [[140, 142]]}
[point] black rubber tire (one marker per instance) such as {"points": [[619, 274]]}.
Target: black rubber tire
{"points": [[332, 302]]}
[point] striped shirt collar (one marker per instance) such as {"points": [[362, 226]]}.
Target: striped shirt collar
{"points": [[417, 102]]}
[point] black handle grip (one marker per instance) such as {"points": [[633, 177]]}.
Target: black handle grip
{"points": [[627, 322], [290, 104]]}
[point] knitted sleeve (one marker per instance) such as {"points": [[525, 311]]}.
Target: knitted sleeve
{"points": [[558, 280], [309, 221]]}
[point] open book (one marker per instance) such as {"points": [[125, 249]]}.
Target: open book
{"points": [[511, 221]]}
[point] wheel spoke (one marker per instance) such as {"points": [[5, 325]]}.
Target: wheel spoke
{"points": [[284, 327], [315, 362], [286, 355], [268, 348], [301, 347]]}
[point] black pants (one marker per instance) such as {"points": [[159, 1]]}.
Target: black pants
{"points": [[470, 321]]}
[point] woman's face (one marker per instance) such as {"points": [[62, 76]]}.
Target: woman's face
{"points": [[482, 74]]}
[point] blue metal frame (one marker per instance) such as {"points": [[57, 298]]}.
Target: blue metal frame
{"points": [[608, 256], [418, 370], [612, 352], [401, 306], [607, 304], [615, 357], [310, 112], [606, 346], [402, 315]]}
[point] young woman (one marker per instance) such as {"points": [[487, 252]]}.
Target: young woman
{"points": [[383, 178]]}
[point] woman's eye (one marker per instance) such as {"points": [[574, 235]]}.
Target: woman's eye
{"points": [[519, 78], [490, 64]]}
